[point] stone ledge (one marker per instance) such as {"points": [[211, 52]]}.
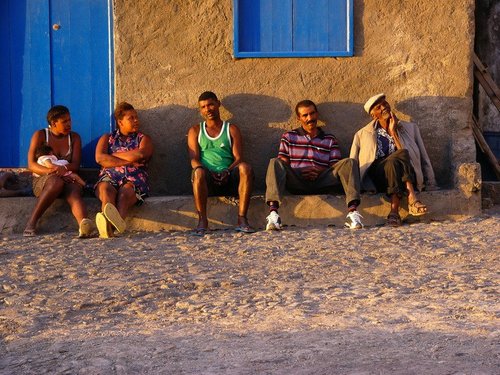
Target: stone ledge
{"points": [[490, 192], [178, 213]]}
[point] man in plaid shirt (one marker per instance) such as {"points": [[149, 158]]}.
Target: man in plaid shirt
{"points": [[309, 162]]}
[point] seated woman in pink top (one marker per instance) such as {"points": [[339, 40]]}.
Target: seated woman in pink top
{"points": [[123, 180]]}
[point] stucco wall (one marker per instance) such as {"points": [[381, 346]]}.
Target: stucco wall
{"points": [[487, 46], [417, 52]]}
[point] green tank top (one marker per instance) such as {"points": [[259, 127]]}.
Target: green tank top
{"points": [[216, 153]]}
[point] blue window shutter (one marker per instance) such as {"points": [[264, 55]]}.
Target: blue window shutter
{"points": [[276, 25], [320, 25], [287, 28], [265, 25]]}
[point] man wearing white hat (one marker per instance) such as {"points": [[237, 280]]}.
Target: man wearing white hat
{"points": [[392, 158]]}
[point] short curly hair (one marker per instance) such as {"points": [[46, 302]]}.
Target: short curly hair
{"points": [[207, 95], [56, 112], [304, 104], [121, 108]]}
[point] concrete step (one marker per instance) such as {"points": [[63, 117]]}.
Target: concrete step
{"points": [[490, 194], [178, 213]]}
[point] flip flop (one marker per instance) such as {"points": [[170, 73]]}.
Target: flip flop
{"points": [[199, 232], [114, 217], [244, 229], [29, 233], [86, 228], [102, 226], [394, 220]]}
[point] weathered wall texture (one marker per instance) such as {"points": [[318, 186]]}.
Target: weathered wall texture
{"points": [[487, 46], [417, 52]]}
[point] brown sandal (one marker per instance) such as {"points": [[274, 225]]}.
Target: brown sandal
{"points": [[394, 220], [29, 232], [417, 208], [199, 232]]}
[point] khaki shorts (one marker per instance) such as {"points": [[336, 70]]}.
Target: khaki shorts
{"points": [[39, 183]]}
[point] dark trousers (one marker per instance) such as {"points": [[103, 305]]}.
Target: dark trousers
{"points": [[229, 189], [391, 173]]}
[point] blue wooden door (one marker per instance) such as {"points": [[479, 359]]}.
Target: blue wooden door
{"points": [[57, 52]]}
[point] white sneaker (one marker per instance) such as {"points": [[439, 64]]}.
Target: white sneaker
{"points": [[273, 221], [353, 220]]}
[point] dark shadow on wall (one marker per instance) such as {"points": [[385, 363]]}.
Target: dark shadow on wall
{"points": [[343, 120], [89, 149], [261, 119], [448, 139], [169, 169]]}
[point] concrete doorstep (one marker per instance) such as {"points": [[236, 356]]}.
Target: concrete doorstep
{"points": [[178, 212]]}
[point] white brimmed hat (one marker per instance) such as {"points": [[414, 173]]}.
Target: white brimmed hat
{"points": [[370, 102]]}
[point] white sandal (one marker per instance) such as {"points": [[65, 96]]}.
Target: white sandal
{"points": [[86, 228], [102, 226], [114, 217]]}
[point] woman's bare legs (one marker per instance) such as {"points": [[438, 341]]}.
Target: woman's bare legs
{"points": [[73, 193], [106, 193], [126, 199], [53, 187]]}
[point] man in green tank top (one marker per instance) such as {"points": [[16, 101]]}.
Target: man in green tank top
{"points": [[215, 151]]}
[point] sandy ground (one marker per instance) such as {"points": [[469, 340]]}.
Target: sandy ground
{"points": [[420, 299]]}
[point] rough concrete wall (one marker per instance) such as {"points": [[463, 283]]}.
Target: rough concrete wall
{"points": [[417, 52], [487, 46]]}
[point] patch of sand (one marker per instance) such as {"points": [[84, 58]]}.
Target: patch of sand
{"points": [[418, 299]]}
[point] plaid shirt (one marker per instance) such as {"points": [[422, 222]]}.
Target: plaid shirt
{"points": [[302, 151]]}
